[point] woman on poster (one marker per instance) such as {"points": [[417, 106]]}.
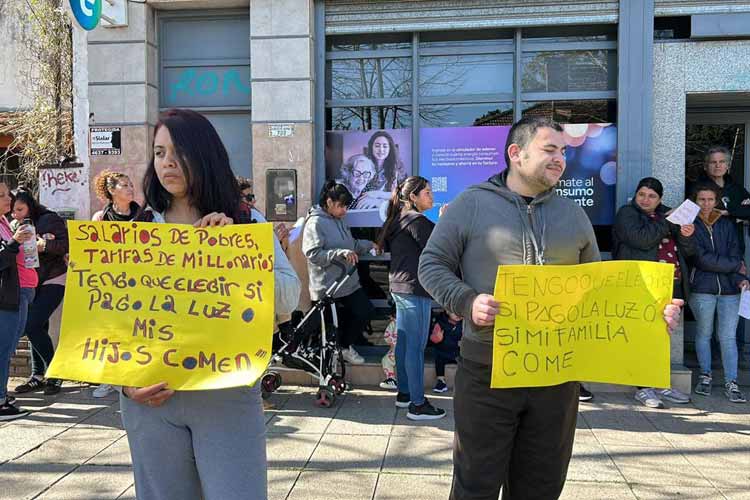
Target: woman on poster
{"points": [[390, 170], [190, 444]]}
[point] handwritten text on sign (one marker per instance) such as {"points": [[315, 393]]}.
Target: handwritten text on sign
{"points": [[598, 322], [146, 303]]}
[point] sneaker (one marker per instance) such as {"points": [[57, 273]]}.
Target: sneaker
{"points": [[733, 394], [402, 400], [389, 384], [704, 385], [674, 396], [10, 399], [52, 386], [9, 412], [103, 391], [31, 385], [351, 356], [585, 395], [647, 397], [440, 386], [425, 411]]}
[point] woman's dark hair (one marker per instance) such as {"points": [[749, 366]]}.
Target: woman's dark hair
{"points": [[334, 192], [211, 185], [400, 198], [651, 183], [705, 186], [390, 164], [36, 209]]}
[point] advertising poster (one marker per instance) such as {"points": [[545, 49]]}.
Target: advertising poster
{"points": [[370, 164], [453, 159]]}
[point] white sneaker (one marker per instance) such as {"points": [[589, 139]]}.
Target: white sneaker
{"points": [[648, 398], [103, 391], [389, 384], [352, 357]]}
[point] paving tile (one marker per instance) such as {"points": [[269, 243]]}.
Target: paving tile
{"points": [[101, 483], [74, 446], [280, 483], [443, 427], [655, 466], [57, 413], [361, 420], [315, 485], [402, 486], [588, 490], [658, 492], [109, 418], [18, 440], [117, 453], [128, 495], [419, 456], [26, 481], [590, 462], [290, 451], [298, 421], [349, 453]]}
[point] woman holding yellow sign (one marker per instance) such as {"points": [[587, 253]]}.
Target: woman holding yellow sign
{"points": [[191, 444]]}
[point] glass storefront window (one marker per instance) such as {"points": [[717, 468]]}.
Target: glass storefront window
{"points": [[466, 115], [371, 78], [569, 71], [467, 74], [368, 118], [386, 41], [593, 111]]}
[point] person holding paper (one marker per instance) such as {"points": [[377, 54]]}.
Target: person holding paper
{"points": [[717, 277], [519, 439], [642, 232], [199, 444]]}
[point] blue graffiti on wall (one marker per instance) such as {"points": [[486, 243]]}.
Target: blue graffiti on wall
{"points": [[209, 82]]}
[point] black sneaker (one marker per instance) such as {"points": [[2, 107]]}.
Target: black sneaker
{"points": [[9, 412], [10, 399], [402, 400], [585, 395], [425, 411], [440, 386], [31, 385], [52, 386]]}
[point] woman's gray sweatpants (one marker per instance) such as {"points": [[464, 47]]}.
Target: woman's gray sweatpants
{"points": [[199, 444]]}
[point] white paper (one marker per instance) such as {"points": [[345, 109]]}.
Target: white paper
{"points": [[685, 213], [745, 304]]}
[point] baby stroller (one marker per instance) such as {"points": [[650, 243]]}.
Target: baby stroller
{"points": [[312, 346]]}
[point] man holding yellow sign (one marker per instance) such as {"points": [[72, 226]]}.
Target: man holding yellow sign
{"points": [[520, 437]]}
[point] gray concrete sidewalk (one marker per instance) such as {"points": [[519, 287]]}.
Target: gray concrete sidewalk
{"points": [[73, 447]]}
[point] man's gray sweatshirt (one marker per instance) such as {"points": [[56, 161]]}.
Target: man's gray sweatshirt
{"points": [[489, 225]]}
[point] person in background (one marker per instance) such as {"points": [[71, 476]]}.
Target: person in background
{"points": [[447, 331], [405, 234], [329, 247], [246, 190], [642, 232], [17, 286], [116, 190], [206, 444], [388, 362], [718, 275], [733, 202], [52, 245]]}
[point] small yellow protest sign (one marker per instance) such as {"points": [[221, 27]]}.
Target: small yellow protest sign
{"points": [[597, 322], [147, 303]]}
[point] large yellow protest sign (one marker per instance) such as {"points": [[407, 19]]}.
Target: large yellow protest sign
{"points": [[146, 303], [597, 322]]}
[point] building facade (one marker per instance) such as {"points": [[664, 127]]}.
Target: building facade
{"points": [[280, 78]]}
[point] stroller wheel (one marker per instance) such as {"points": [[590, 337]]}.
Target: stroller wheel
{"points": [[337, 384], [325, 397], [270, 382]]}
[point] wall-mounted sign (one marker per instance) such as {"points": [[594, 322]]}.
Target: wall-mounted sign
{"points": [[87, 12], [105, 141], [281, 130], [63, 188]]}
